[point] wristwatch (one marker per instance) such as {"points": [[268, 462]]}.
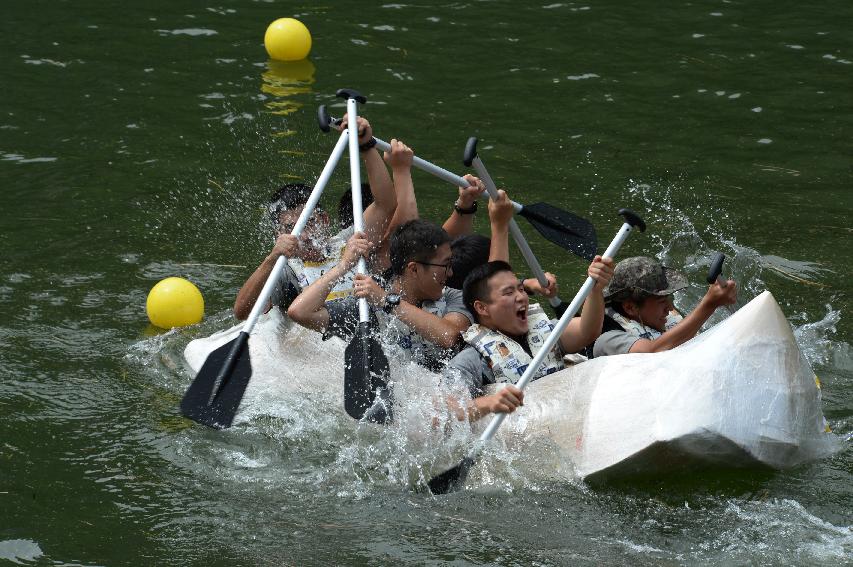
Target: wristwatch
{"points": [[392, 300], [468, 211]]}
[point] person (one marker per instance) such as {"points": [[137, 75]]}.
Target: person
{"points": [[316, 250], [417, 314], [640, 316], [509, 330]]}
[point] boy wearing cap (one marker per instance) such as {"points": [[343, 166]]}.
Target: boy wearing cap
{"points": [[639, 316]]}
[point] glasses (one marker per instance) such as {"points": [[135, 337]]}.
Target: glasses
{"points": [[446, 266]]}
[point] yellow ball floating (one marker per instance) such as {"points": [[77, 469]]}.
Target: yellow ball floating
{"points": [[174, 302], [287, 39]]}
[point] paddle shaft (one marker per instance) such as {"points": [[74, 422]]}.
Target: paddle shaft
{"points": [[520, 241], [552, 338], [357, 209], [272, 279], [439, 172]]}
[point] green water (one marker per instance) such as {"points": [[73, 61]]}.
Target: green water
{"points": [[141, 142]]}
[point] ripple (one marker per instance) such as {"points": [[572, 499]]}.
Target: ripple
{"points": [[188, 31]]}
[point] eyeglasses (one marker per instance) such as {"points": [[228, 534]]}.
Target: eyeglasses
{"points": [[446, 266]]}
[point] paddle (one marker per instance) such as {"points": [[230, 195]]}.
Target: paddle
{"points": [[563, 228], [471, 158], [366, 368], [714, 275], [215, 394], [454, 478]]}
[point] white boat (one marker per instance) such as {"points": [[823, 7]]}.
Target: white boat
{"points": [[739, 395]]}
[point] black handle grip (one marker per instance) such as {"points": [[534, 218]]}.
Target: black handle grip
{"points": [[351, 93], [323, 119], [470, 151], [633, 219], [716, 267]]}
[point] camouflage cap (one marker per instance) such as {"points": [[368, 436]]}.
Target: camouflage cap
{"points": [[642, 276]]}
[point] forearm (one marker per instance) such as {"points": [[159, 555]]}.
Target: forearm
{"points": [[583, 331], [499, 248], [312, 301], [435, 329], [378, 215], [251, 290], [685, 330], [407, 205], [458, 224]]}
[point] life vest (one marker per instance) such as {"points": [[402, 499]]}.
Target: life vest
{"points": [[408, 342], [507, 359], [638, 329], [309, 272]]}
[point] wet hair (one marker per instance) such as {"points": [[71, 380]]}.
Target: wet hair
{"points": [[345, 204], [476, 286], [469, 251], [415, 241], [288, 197]]}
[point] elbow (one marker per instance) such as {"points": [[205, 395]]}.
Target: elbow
{"points": [[240, 312], [294, 313]]}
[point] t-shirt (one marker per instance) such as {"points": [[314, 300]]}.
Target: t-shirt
{"points": [[614, 342], [398, 338]]}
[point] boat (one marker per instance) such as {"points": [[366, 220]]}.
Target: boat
{"points": [[740, 395]]}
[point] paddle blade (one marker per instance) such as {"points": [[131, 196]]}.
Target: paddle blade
{"points": [[214, 396], [565, 229], [451, 480], [366, 371]]}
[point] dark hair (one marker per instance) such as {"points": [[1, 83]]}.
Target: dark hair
{"points": [[415, 241], [476, 286], [469, 251], [345, 204], [287, 197]]}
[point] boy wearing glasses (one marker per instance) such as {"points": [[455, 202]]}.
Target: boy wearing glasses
{"points": [[417, 313]]}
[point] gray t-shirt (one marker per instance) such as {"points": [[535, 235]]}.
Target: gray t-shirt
{"points": [[614, 342], [343, 323]]}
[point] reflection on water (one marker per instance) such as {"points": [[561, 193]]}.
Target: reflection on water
{"points": [[285, 81]]}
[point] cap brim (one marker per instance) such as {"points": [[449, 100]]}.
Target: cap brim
{"points": [[676, 280]]}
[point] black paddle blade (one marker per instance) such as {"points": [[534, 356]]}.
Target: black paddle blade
{"points": [[214, 396], [565, 229], [451, 480], [366, 371]]}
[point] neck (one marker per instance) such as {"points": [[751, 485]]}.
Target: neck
{"points": [[407, 290]]}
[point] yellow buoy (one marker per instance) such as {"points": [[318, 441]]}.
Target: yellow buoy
{"points": [[287, 39], [174, 302]]}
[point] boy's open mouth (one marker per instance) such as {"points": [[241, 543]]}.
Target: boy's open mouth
{"points": [[522, 314]]}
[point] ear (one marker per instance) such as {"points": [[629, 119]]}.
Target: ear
{"points": [[480, 308], [631, 309], [412, 268], [322, 215]]}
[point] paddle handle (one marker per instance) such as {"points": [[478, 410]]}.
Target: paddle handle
{"points": [[552, 338], [516, 233], [307, 211], [355, 180]]}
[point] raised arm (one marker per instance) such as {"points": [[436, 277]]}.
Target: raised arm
{"points": [[686, 329], [500, 213], [582, 331], [399, 159], [309, 307], [285, 245], [461, 220]]}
